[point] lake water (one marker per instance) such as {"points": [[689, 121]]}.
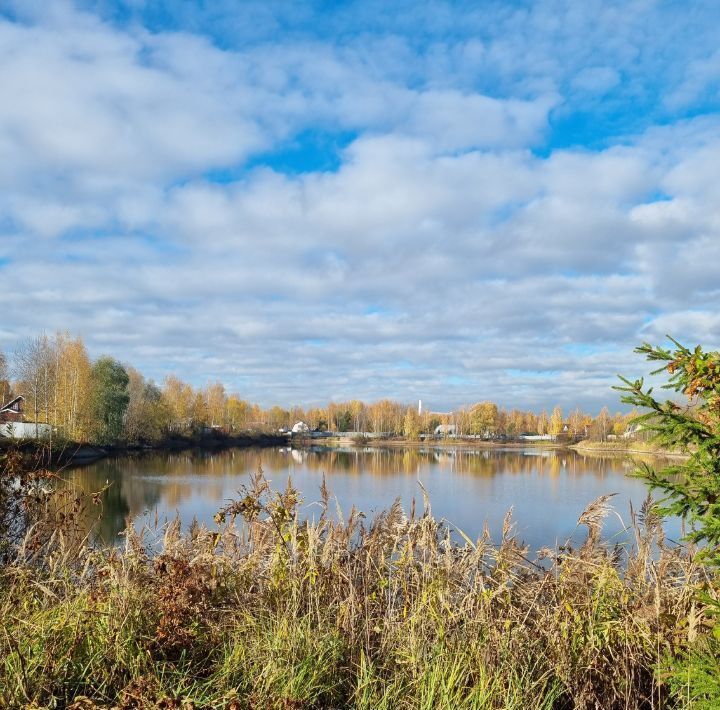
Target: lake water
{"points": [[547, 489]]}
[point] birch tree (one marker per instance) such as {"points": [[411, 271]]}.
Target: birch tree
{"points": [[556, 422], [543, 423], [33, 369], [72, 387], [4, 379], [216, 402]]}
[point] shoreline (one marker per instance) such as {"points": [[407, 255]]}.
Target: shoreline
{"points": [[583, 447], [400, 443], [77, 454], [608, 448]]}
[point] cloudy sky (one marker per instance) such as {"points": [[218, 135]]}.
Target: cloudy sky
{"points": [[313, 201]]}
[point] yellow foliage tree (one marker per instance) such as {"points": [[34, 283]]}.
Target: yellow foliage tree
{"points": [[179, 397], [236, 412], [556, 422], [484, 419], [543, 423], [411, 424], [73, 387]]}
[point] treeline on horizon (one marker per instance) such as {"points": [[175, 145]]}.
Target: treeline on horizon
{"points": [[106, 401]]}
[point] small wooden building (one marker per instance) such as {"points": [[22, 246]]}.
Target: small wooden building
{"points": [[12, 411]]}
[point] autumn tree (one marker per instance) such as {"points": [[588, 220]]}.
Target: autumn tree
{"points": [[135, 419], [179, 397], [358, 414], [257, 417], [278, 418], [236, 412], [556, 422], [147, 416], [199, 415], [316, 418], [543, 423], [216, 399], [601, 426], [109, 399], [618, 425], [576, 422], [461, 420], [4, 379], [515, 422], [483, 419], [531, 422], [72, 387], [333, 411], [430, 422], [386, 416], [53, 374], [340, 416], [33, 369], [411, 424]]}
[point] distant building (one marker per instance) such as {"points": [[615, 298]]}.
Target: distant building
{"points": [[632, 431], [446, 430], [300, 428], [13, 426], [12, 411]]}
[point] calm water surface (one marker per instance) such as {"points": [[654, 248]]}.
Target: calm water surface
{"points": [[546, 489]]}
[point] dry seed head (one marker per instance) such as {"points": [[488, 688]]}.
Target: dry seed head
{"points": [[595, 513]]}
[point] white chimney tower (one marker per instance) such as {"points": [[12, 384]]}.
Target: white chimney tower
{"points": [[420, 407]]}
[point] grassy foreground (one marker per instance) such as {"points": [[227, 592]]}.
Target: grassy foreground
{"points": [[275, 613]]}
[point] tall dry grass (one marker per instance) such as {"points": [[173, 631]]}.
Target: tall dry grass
{"points": [[274, 612]]}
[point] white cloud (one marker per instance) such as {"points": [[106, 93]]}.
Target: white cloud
{"points": [[442, 249], [701, 76], [596, 80]]}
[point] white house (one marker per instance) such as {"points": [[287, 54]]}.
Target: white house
{"points": [[300, 428], [632, 431]]}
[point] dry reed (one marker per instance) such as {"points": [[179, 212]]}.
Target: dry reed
{"points": [[275, 612]]}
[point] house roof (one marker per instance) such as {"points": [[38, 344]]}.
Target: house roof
{"points": [[10, 406]]}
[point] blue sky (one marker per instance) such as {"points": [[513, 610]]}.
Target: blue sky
{"points": [[314, 201]]}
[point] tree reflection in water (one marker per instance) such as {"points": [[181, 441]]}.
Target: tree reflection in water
{"points": [[546, 488]]}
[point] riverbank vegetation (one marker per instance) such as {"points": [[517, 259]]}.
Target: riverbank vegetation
{"points": [[105, 401], [273, 610], [270, 611]]}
